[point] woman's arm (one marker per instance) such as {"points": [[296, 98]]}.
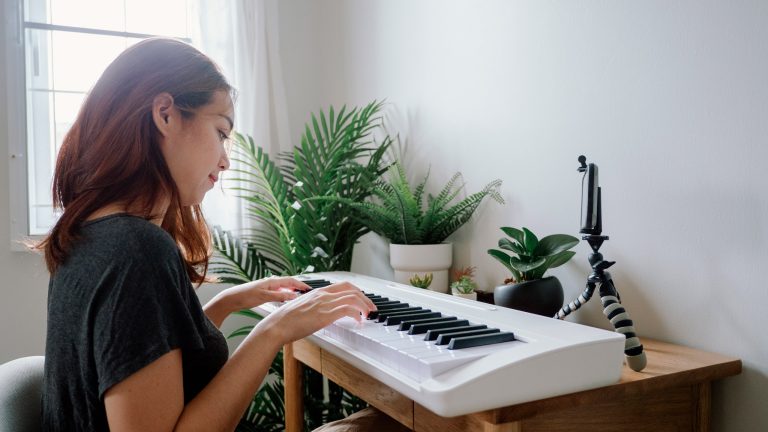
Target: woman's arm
{"points": [[152, 398], [251, 294]]}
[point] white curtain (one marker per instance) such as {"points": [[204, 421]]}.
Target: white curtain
{"points": [[241, 36]]}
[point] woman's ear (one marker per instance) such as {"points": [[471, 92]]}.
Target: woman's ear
{"points": [[164, 113]]}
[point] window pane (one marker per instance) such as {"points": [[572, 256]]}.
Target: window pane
{"points": [[65, 109], [79, 59], [151, 17], [36, 11], [97, 14], [165, 18], [40, 161]]}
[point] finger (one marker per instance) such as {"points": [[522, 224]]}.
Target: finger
{"points": [[288, 295], [281, 295], [360, 304], [288, 283], [345, 310], [347, 287], [341, 286], [354, 290]]}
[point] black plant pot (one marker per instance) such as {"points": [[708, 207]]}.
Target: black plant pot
{"points": [[541, 296]]}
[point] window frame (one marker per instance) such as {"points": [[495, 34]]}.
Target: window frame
{"points": [[16, 108]]}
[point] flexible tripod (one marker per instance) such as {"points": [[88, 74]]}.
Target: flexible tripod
{"points": [[599, 278]]}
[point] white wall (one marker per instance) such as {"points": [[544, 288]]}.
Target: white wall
{"points": [[670, 99]]}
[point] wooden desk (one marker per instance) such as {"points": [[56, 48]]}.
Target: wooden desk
{"points": [[671, 394]]}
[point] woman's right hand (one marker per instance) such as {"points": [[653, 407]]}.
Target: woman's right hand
{"points": [[316, 309]]}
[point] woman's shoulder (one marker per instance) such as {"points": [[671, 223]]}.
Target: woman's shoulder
{"points": [[122, 232]]}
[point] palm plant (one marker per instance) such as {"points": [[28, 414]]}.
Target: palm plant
{"points": [[338, 156], [294, 234], [402, 215]]}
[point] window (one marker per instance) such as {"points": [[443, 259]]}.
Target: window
{"points": [[60, 49]]}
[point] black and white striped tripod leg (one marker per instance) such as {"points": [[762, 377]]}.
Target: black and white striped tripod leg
{"points": [[576, 304], [619, 318]]}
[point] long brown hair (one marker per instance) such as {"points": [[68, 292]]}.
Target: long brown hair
{"points": [[112, 154]]}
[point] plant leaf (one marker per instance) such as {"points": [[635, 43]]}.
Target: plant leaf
{"points": [[514, 233], [529, 240], [559, 259], [554, 244], [513, 246], [524, 267]]}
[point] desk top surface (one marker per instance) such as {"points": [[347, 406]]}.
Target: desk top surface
{"points": [[668, 366]]}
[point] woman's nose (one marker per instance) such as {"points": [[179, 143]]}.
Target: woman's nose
{"points": [[224, 162]]}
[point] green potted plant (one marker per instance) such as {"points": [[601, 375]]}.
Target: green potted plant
{"points": [[417, 226], [530, 258], [421, 281], [463, 285]]}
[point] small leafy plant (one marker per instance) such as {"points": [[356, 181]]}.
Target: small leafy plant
{"points": [[463, 282], [421, 281], [401, 214], [532, 257]]}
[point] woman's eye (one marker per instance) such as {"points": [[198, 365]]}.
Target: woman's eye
{"points": [[222, 136]]}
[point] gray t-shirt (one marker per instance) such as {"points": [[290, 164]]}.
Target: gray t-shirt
{"points": [[120, 301]]}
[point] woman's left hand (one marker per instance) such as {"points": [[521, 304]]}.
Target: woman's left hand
{"points": [[252, 294], [271, 289]]}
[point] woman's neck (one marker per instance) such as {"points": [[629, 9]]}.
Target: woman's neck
{"points": [[159, 211]]}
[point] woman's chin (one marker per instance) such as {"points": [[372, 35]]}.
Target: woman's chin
{"points": [[192, 200]]}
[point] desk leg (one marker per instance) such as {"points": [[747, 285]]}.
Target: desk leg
{"points": [[702, 394], [294, 392]]}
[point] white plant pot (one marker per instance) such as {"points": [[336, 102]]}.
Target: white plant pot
{"points": [[471, 296], [409, 260]]}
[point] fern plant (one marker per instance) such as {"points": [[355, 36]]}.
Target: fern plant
{"points": [[294, 234], [402, 215]]}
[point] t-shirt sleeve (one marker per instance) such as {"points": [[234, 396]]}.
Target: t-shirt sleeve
{"points": [[144, 313]]}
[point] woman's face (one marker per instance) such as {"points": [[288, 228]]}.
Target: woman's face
{"points": [[195, 148]]}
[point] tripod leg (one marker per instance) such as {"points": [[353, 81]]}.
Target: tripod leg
{"points": [[619, 318], [577, 303]]}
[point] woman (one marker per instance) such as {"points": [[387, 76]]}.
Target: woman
{"points": [[129, 346]]}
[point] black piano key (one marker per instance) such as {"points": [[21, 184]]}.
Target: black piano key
{"points": [[393, 307], [445, 338], [405, 325], [383, 315], [386, 303], [423, 328], [374, 297], [480, 340], [433, 334], [317, 283], [313, 281], [390, 308], [369, 295], [397, 319]]}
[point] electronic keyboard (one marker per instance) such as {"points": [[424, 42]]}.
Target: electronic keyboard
{"points": [[456, 356]]}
